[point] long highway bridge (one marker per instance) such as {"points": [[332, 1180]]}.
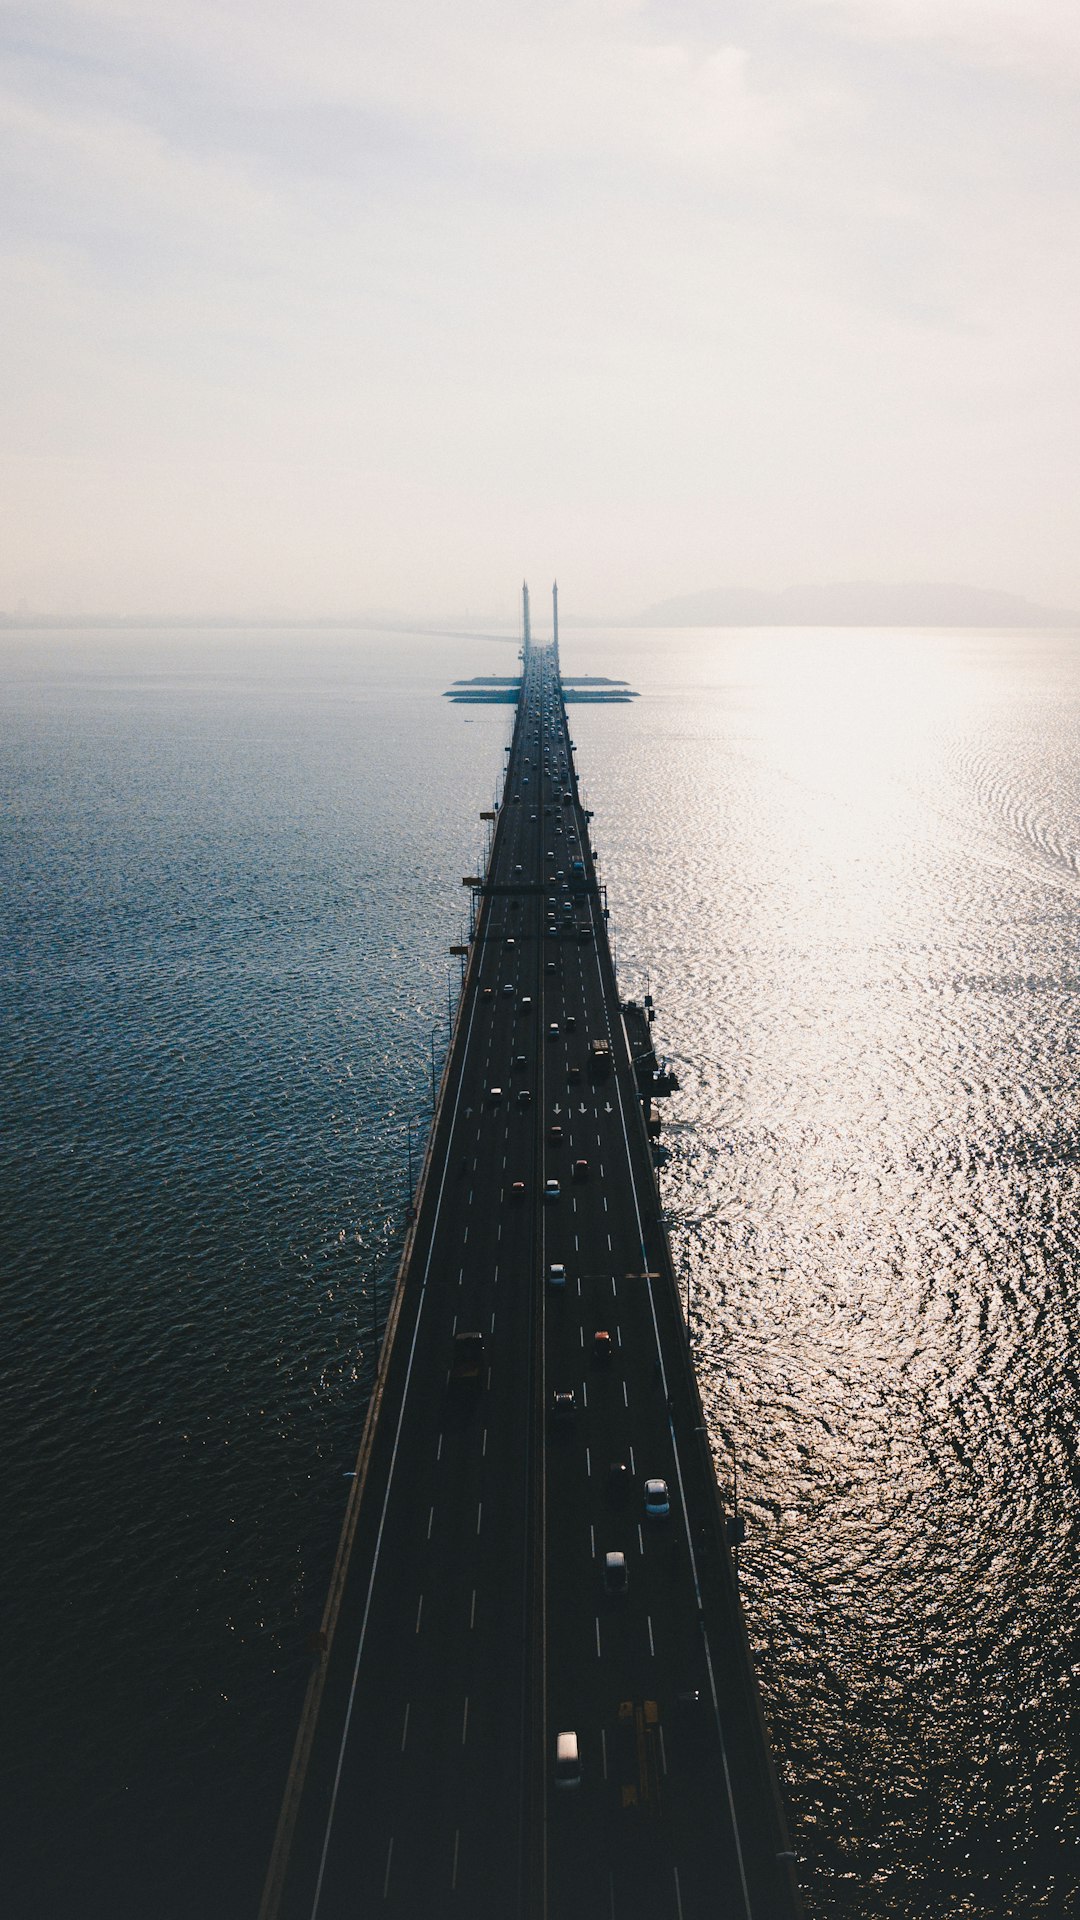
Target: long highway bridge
{"points": [[535, 1545]]}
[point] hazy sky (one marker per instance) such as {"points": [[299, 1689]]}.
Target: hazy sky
{"points": [[339, 305]]}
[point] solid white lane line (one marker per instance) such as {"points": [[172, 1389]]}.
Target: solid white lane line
{"points": [[640, 1539], [633, 1467], [625, 1401], [405, 1726], [588, 1463]]}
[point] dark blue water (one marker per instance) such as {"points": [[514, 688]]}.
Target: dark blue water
{"points": [[849, 868], [231, 872]]}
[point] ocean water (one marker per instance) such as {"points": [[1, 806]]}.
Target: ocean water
{"points": [[848, 868]]}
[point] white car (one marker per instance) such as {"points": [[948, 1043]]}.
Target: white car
{"points": [[615, 1580], [657, 1500], [551, 1192], [556, 1274], [567, 1760]]}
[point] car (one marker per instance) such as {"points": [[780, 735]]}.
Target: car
{"points": [[567, 1760], [553, 931], [489, 993], [517, 1192], [657, 1500], [467, 1363], [508, 988], [615, 1577], [555, 1134], [581, 1169], [556, 1274], [519, 1061], [618, 1479], [553, 1030], [570, 1023], [563, 1407], [510, 941], [526, 1003], [573, 1074], [602, 1347], [524, 1098], [551, 1190], [494, 1096], [517, 866]]}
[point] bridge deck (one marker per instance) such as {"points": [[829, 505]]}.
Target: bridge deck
{"points": [[469, 1623]]}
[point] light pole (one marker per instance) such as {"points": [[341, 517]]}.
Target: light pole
{"points": [[434, 1031], [409, 1125]]}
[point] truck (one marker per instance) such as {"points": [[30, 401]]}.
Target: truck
{"points": [[600, 1058]]}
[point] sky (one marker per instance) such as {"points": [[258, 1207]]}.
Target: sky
{"points": [[342, 307]]}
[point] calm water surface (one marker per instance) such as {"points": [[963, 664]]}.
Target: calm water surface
{"points": [[848, 867]]}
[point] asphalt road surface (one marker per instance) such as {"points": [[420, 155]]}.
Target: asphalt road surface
{"points": [[476, 1623]]}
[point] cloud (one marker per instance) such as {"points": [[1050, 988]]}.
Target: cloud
{"points": [[589, 78], [1038, 36]]}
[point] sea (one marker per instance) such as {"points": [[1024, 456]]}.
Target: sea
{"points": [[845, 864]]}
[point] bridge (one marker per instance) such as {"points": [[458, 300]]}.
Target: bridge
{"points": [[535, 1545]]}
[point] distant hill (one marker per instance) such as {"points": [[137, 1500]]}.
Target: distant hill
{"points": [[855, 604]]}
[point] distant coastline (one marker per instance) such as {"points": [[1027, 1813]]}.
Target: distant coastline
{"points": [[855, 604]]}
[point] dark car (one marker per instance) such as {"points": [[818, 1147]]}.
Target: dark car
{"points": [[618, 1479], [602, 1347], [555, 1134], [581, 1169]]}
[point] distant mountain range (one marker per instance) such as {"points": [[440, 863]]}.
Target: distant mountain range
{"points": [[855, 604]]}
